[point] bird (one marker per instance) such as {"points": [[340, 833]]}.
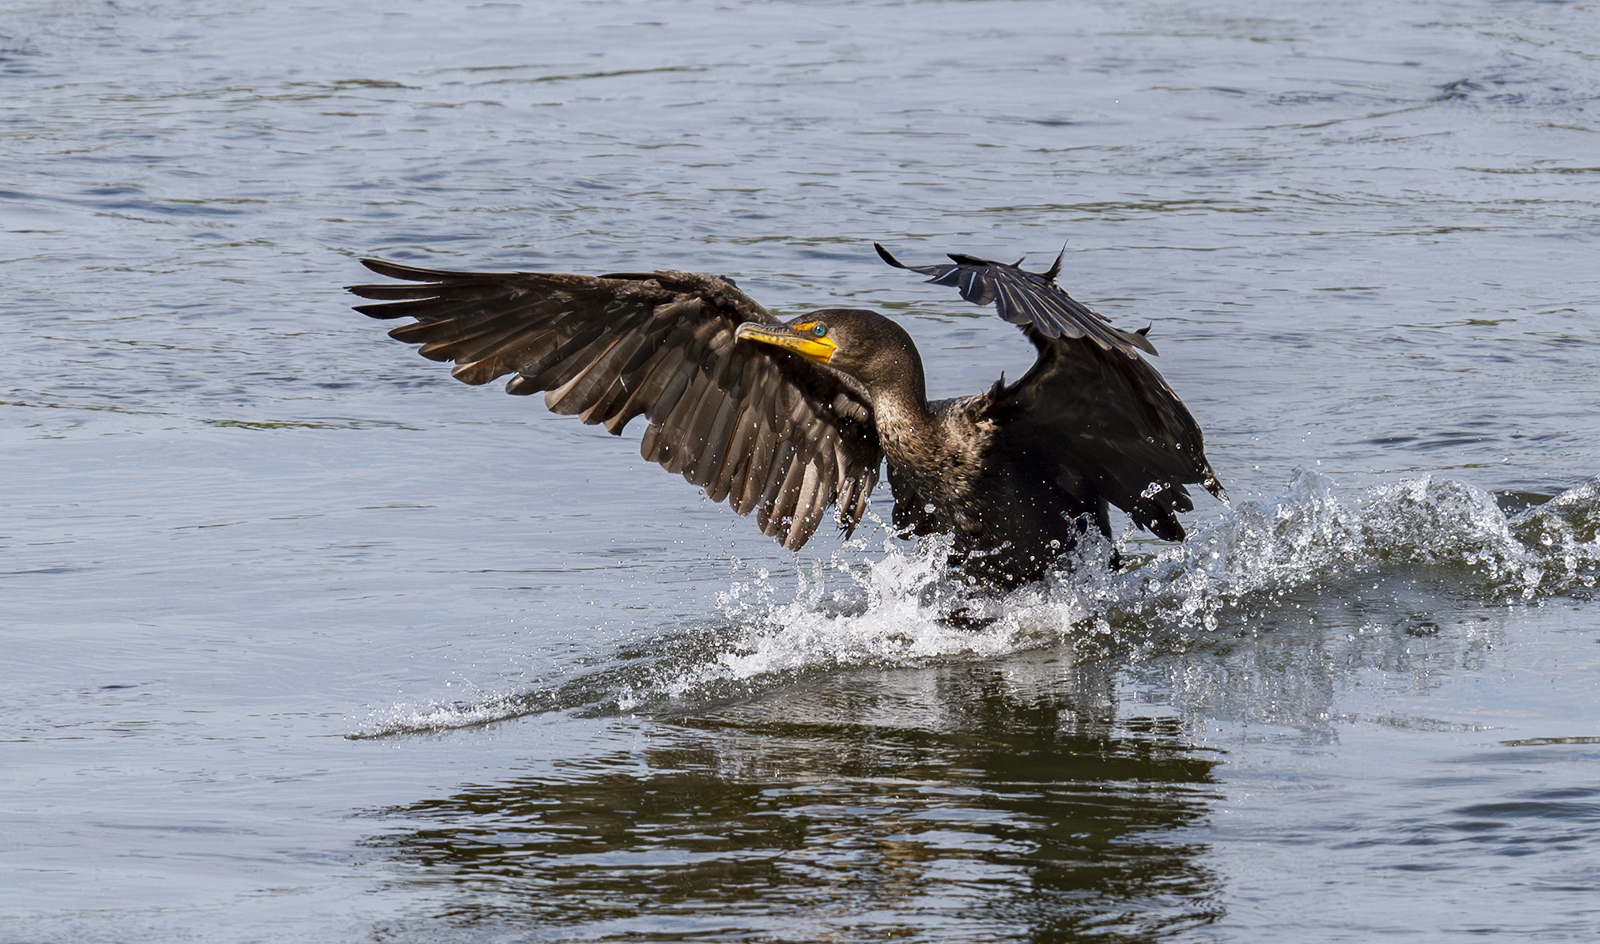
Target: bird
{"points": [[788, 418]]}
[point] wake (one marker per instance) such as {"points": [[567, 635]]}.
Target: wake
{"points": [[895, 610]]}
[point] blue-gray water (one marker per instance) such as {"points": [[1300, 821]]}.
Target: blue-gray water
{"points": [[304, 641]]}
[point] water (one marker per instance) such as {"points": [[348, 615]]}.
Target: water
{"points": [[304, 641]]}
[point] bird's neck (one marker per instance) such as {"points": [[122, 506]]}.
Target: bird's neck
{"points": [[907, 428]]}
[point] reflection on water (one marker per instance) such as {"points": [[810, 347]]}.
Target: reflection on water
{"points": [[951, 800]]}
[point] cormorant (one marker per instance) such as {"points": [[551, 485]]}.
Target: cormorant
{"points": [[785, 418]]}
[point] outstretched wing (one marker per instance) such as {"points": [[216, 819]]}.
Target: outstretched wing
{"points": [[753, 425], [1027, 298], [1090, 406]]}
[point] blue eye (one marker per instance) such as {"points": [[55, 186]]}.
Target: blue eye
{"points": [[820, 330]]}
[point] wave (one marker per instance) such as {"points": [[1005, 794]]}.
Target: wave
{"points": [[903, 608]]}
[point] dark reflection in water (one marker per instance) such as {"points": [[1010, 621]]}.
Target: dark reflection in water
{"points": [[982, 813]]}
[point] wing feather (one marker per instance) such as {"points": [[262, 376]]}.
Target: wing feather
{"points": [[1027, 298], [1111, 425], [753, 425], [743, 430]]}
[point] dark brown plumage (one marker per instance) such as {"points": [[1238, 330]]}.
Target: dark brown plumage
{"points": [[788, 418]]}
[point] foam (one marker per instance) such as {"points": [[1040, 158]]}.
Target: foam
{"points": [[896, 609]]}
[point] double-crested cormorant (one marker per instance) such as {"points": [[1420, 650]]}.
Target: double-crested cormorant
{"points": [[785, 418]]}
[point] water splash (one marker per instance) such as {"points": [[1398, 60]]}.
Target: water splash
{"points": [[1258, 552], [904, 608], [1263, 549]]}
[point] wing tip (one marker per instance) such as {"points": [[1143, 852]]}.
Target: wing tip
{"points": [[372, 311], [390, 292], [1055, 267], [396, 270], [1140, 339], [886, 257]]}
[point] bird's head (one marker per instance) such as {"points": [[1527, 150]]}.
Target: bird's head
{"points": [[863, 344]]}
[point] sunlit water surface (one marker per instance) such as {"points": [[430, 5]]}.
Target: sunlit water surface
{"points": [[303, 641]]}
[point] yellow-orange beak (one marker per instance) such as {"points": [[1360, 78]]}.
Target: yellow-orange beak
{"points": [[799, 339]]}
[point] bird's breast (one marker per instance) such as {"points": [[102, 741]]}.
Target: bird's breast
{"points": [[943, 458]]}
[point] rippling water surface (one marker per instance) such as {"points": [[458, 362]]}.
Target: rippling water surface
{"points": [[306, 642]]}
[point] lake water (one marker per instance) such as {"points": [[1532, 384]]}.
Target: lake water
{"points": [[304, 641]]}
